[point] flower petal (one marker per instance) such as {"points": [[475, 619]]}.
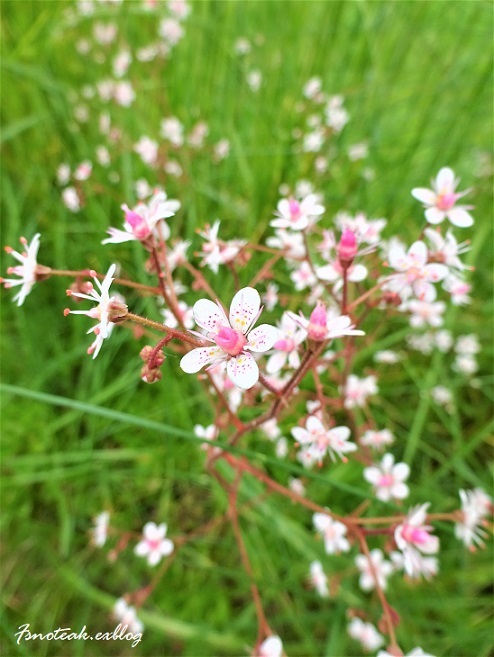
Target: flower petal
{"points": [[424, 195], [460, 217], [445, 180], [197, 358], [209, 315], [262, 338], [243, 371], [244, 309], [434, 215]]}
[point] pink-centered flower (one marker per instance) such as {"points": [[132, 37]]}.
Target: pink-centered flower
{"points": [[289, 339], [320, 441], [127, 616], [475, 506], [232, 338], [297, 215], [333, 533], [154, 545], [366, 633], [415, 275], [375, 568], [145, 220], [101, 312], [413, 537], [323, 325], [440, 201], [319, 579], [26, 270], [388, 479]]}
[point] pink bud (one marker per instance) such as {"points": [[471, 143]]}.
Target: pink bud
{"points": [[347, 247], [317, 329]]}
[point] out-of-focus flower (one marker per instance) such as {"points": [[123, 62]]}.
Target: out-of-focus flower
{"points": [[154, 545], [388, 479], [147, 149], [425, 313], [387, 356], [413, 537], [415, 275], [377, 439], [475, 506], [319, 579], [171, 31], [270, 647], [320, 441], [366, 633], [71, 199], [254, 80], [357, 390], [297, 215], [290, 337], [233, 337], [127, 616], [26, 271], [375, 568], [440, 201], [323, 325], [216, 252], [100, 530], [172, 130], [333, 533]]}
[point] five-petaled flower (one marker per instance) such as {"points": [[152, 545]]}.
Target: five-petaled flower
{"points": [[440, 201], [388, 479], [320, 441], [333, 533], [154, 545], [232, 338], [26, 270], [101, 312], [297, 215]]}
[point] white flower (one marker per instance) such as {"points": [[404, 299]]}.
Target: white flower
{"points": [[366, 633], [318, 579], [371, 569], [233, 337], [416, 652], [446, 249], [377, 439], [154, 545], [71, 199], [100, 529], [101, 312], [297, 215], [173, 130], [357, 390], [147, 149], [425, 313], [216, 252], [467, 345], [333, 533], [413, 537], [387, 479], [26, 271], [127, 616], [475, 505], [415, 275], [290, 336], [440, 202], [319, 440], [171, 31], [144, 220], [271, 647]]}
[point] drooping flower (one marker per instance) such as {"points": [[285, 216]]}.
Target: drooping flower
{"points": [[366, 633], [319, 579], [233, 338], [270, 647], [323, 325], [440, 201], [154, 545], [26, 271], [375, 568], [333, 533], [102, 312], [388, 479], [144, 220], [319, 441]]}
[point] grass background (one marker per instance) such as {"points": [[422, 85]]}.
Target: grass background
{"points": [[417, 79]]}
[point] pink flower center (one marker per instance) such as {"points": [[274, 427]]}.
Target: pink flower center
{"points": [[294, 208], [286, 345], [231, 341], [347, 247], [386, 481], [445, 201], [153, 543], [318, 327], [416, 535], [140, 228]]}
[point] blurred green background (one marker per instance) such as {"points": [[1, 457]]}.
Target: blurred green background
{"points": [[417, 82]]}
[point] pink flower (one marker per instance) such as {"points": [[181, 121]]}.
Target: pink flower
{"points": [[297, 215], [446, 249], [413, 537], [232, 337], [333, 533], [387, 479], [323, 325], [319, 440], [26, 271], [377, 439], [216, 252], [415, 275], [144, 220], [101, 295], [440, 202], [154, 545], [357, 390], [375, 568], [290, 336]]}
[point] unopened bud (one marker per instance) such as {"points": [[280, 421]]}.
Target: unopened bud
{"points": [[392, 299], [318, 324], [146, 352], [117, 311], [347, 247], [150, 375]]}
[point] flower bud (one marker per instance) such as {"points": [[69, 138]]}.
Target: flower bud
{"points": [[318, 328], [117, 311], [347, 247]]}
